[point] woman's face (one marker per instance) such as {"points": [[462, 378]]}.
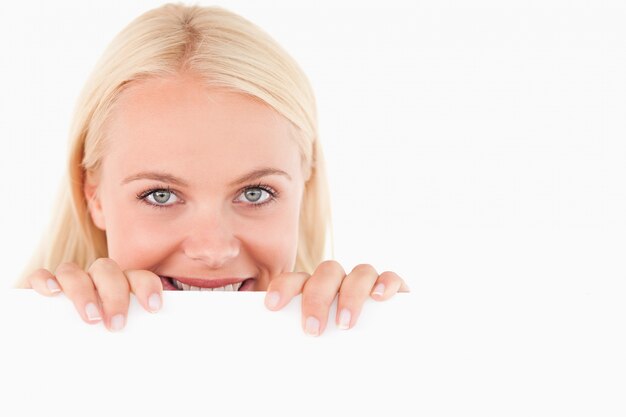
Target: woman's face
{"points": [[218, 156]]}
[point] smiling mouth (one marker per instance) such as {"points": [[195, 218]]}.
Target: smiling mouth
{"points": [[172, 284]]}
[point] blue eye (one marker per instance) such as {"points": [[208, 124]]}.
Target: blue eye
{"points": [[257, 196], [161, 197], [259, 192]]}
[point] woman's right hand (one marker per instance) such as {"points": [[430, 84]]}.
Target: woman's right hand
{"points": [[102, 292]]}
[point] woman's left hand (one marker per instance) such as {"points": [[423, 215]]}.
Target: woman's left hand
{"points": [[319, 291]]}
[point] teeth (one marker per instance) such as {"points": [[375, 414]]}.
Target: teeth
{"points": [[185, 287]]}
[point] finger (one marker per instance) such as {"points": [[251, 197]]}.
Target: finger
{"points": [[318, 294], [113, 290], [355, 289], [283, 288], [147, 287], [44, 282], [387, 285], [78, 287]]}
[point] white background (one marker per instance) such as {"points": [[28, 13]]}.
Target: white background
{"points": [[476, 148]]}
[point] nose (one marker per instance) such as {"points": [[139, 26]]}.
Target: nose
{"points": [[211, 239]]}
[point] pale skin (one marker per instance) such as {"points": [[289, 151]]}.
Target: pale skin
{"points": [[209, 225]]}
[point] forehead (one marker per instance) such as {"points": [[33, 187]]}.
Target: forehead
{"points": [[174, 123]]}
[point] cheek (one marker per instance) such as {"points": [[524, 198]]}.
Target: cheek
{"points": [[275, 238], [273, 242], [137, 240]]}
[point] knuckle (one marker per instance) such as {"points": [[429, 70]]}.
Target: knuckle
{"points": [[66, 267], [364, 269], [68, 272], [114, 288], [114, 294], [296, 276], [289, 282], [315, 302], [103, 264], [275, 285], [139, 278], [280, 279], [351, 299], [329, 267], [115, 297], [39, 274], [389, 275]]}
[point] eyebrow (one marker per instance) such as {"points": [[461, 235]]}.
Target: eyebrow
{"points": [[171, 179]]}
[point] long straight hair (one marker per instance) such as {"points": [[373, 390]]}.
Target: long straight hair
{"points": [[226, 51]]}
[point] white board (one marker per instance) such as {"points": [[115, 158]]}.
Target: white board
{"points": [[433, 351]]}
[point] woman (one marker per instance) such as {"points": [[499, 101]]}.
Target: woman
{"points": [[195, 165]]}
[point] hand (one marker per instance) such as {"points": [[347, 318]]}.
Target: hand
{"points": [[102, 291], [319, 291]]}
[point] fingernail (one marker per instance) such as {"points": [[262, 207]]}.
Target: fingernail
{"points": [[53, 286], [92, 312], [312, 326], [154, 302], [272, 299], [117, 322], [379, 290], [344, 319]]}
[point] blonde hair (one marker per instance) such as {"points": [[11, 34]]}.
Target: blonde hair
{"points": [[226, 51]]}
